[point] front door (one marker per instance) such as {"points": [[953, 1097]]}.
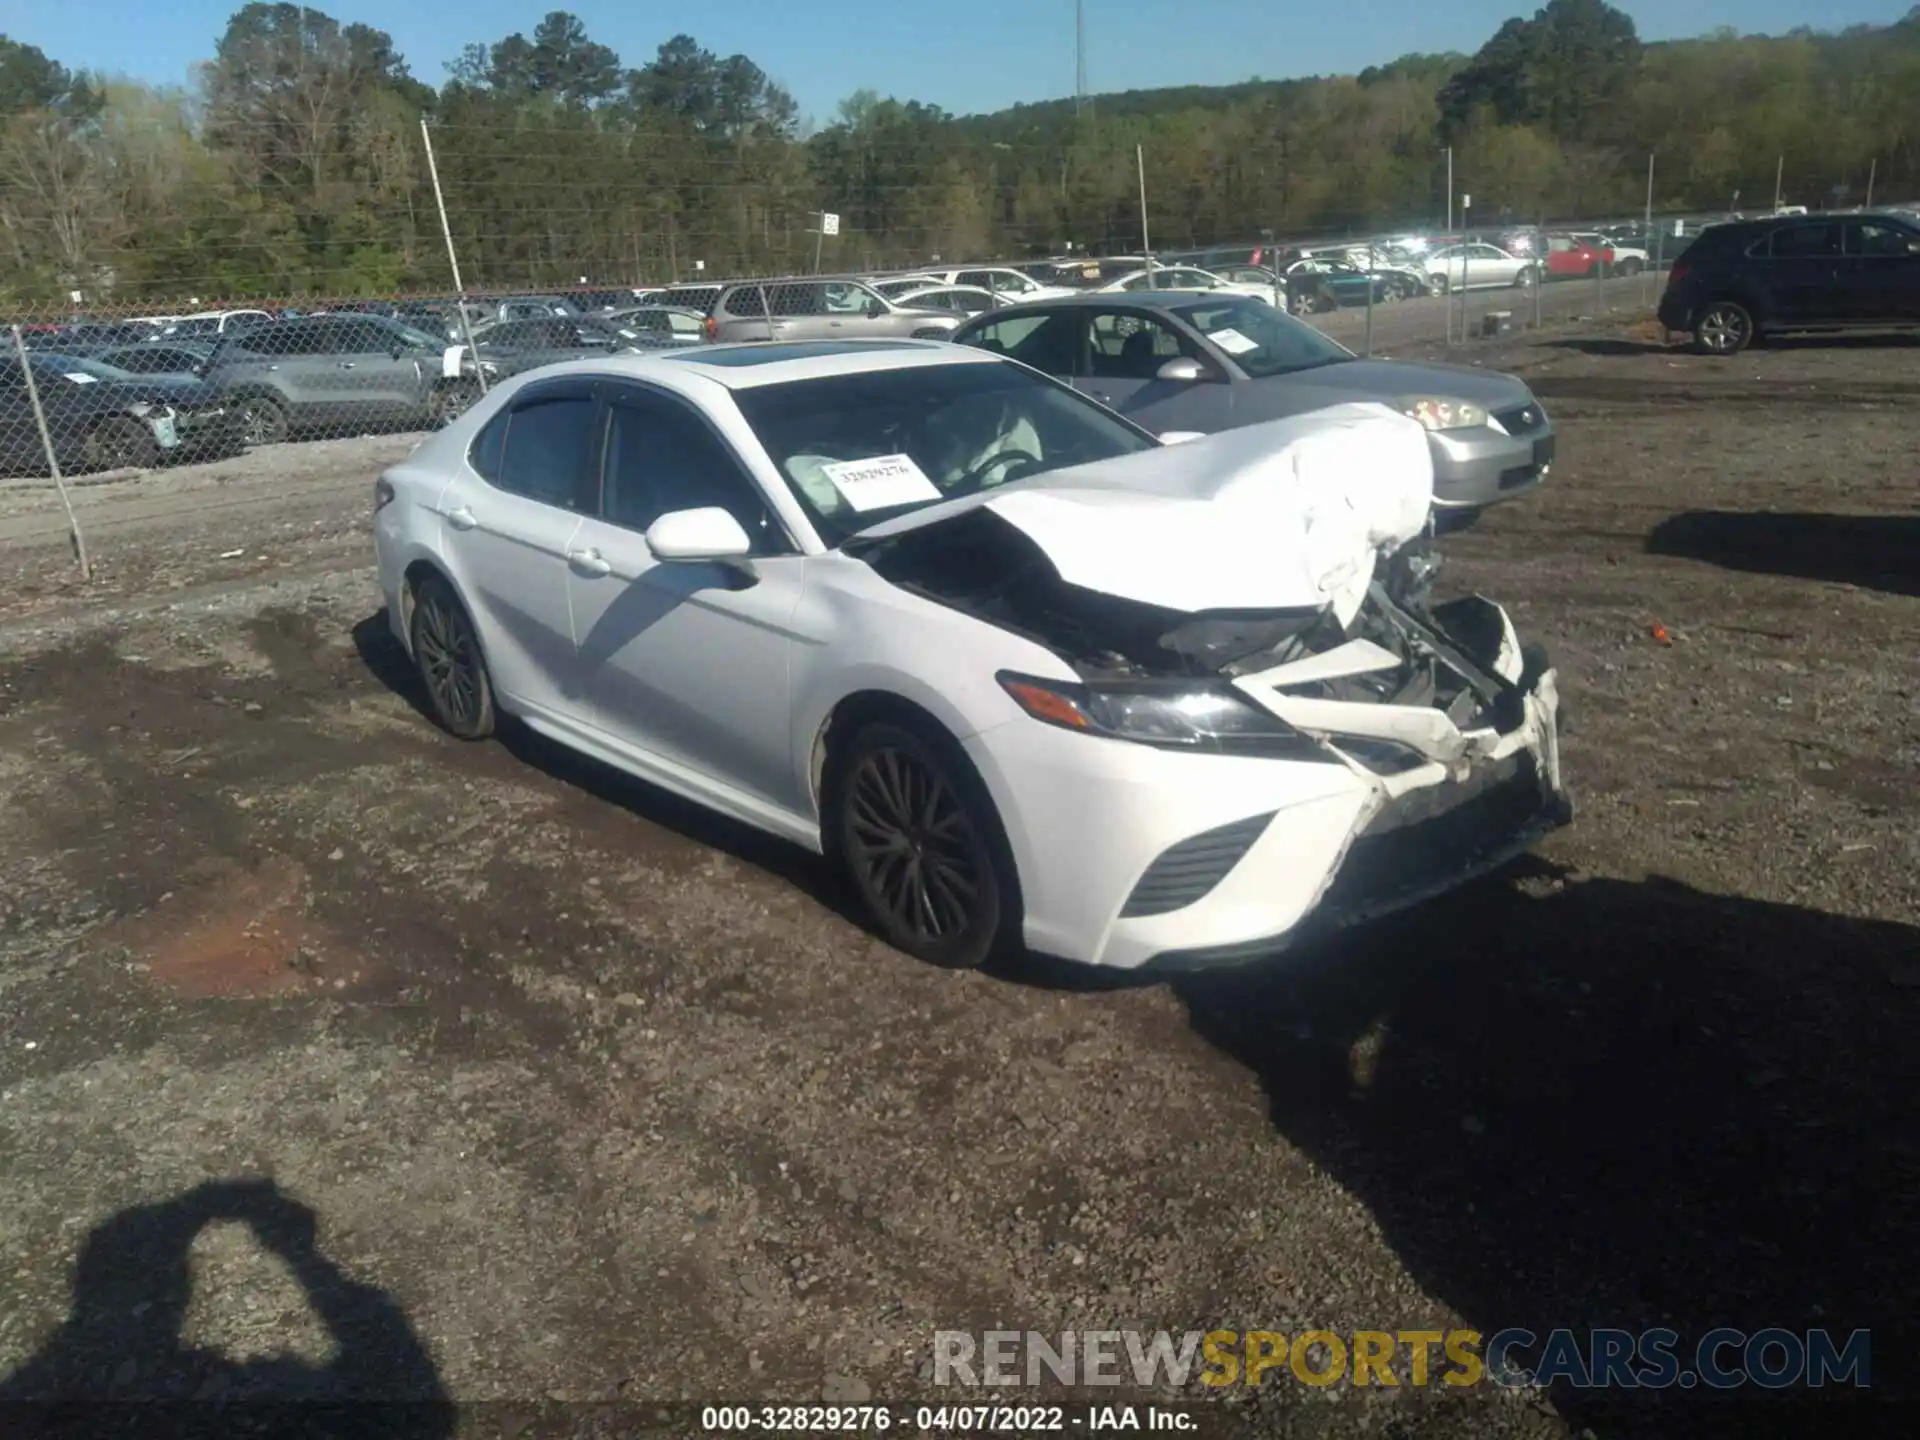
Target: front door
{"points": [[686, 661], [1880, 274], [1120, 363]]}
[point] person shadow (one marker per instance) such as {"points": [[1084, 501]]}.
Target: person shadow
{"points": [[118, 1365]]}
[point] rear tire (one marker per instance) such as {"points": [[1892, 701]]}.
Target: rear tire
{"points": [[917, 837], [449, 402], [446, 650], [1526, 278], [1724, 328]]}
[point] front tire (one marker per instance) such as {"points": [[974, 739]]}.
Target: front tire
{"points": [[1525, 279], [918, 839], [1438, 285], [1724, 328], [120, 442], [446, 648], [263, 420]]}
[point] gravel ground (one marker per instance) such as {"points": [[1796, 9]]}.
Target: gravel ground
{"points": [[341, 1056]]}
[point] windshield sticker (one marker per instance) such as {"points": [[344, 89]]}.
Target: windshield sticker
{"points": [[1233, 342], [881, 482]]}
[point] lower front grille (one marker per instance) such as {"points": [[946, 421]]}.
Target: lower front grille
{"points": [[1438, 830], [1185, 872], [1518, 476]]}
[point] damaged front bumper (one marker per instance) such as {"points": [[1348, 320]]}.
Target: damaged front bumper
{"points": [[1134, 858]]}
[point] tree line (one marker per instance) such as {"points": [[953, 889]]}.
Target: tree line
{"points": [[294, 164]]}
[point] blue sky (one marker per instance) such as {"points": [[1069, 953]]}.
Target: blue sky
{"points": [[964, 55]]}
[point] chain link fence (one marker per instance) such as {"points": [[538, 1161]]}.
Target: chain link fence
{"points": [[119, 378]]}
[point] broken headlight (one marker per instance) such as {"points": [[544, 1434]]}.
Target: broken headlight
{"points": [[1438, 414], [1177, 715]]}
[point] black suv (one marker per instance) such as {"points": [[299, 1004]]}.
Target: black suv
{"points": [[1743, 279]]}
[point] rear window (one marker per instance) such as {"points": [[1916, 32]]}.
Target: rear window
{"points": [[1800, 242]]}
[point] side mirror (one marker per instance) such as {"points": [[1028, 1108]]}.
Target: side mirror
{"points": [[708, 534], [876, 308], [1180, 437], [1181, 367]]}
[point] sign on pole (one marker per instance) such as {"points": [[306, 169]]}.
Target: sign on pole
{"points": [[829, 224]]}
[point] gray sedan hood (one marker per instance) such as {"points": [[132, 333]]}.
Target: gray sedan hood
{"points": [[1392, 379]]}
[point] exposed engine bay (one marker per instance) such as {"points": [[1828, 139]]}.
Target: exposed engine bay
{"points": [[1448, 657]]}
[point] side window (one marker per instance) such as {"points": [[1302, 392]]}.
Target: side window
{"points": [[1043, 341], [795, 300], [1124, 346], [662, 457], [1803, 242], [489, 446], [978, 277], [365, 338], [1871, 237], [549, 449]]}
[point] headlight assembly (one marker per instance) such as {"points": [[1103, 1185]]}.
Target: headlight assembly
{"points": [[1438, 414], [1209, 718]]}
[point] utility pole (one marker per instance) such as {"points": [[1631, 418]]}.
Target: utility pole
{"points": [[1779, 173], [1079, 56], [1873, 173], [1449, 189], [1146, 245]]}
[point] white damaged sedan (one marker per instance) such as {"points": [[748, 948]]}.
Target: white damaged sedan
{"points": [[1026, 673]]}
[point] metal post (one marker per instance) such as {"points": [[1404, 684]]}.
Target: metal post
{"points": [[1779, 174], [819, 239], [53, 460], [1146, 245], [1449, 190], [1646, 234], [1368, 350], [1539, 273], [1466, 263], [453, 260], [1873, 171]]}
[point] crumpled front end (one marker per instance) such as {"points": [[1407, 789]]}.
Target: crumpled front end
{"points": [[1455, 786], [1426, 752]]}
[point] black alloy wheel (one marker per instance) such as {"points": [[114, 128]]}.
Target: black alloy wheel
{"points": [[447, 651], [919, 840]]}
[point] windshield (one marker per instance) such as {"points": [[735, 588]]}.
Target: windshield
{"points": [[927, 434], [1260, 339]]}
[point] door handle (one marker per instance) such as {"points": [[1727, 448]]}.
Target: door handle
{"points": [[589, 562], [461, 518]]}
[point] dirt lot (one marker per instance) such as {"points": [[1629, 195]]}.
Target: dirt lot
{"points": [[569, 1093]]}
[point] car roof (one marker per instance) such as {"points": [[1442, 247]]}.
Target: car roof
{"points": [[1106, 299], [750, 365]]}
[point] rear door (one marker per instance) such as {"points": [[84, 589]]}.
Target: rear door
{"points": [[1802, 271], [508, 518], [1045, 340], [1880, 273]]}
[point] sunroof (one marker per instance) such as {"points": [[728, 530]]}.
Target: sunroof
{"points": [[773, 354]]}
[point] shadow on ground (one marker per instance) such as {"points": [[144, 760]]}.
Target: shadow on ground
{"points": [[1876, 552], [1616, 1104], [119, 1364], [387, 662]]}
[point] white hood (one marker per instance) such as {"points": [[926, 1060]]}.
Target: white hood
{"points": [[1283, 515]]}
